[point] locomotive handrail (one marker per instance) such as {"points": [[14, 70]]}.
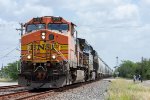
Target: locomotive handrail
{"points": [[60, 54], [40, 67], [18, 67]]}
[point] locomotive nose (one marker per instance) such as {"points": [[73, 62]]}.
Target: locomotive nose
{"points": [[45, 45]]}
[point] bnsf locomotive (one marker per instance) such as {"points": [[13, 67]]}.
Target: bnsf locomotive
{"points": [[53, 56]]}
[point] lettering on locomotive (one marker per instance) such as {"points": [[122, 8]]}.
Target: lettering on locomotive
{"points": [[42, 46]]}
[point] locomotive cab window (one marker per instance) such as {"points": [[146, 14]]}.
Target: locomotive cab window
{"points": [[33, 27], [59, 27]]}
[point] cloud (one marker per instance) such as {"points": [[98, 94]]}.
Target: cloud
{"points": [[33, 11], [9, 35], [104, 12], [145, 2], [125, 12], [23, 10], [144, 8]]}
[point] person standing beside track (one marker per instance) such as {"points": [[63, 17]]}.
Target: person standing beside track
{"points": [[140, 78], [134, 78]]}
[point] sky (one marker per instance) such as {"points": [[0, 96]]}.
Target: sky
{"points": [[115, 28]]}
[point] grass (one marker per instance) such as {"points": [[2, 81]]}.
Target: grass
{"points": [[122, 89], [5, 80]]}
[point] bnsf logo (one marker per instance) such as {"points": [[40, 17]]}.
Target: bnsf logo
{"points": [[41, 47]]}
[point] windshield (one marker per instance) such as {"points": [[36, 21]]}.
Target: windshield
{"points": [[33, 27], [59, 27]]}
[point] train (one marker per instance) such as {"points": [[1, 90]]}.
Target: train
{"points": [[53, 56]]}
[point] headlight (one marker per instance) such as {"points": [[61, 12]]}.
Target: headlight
{"points": [[29, 56], [43, 33], [53, 57], [43, 37]]}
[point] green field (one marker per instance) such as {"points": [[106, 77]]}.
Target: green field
{"points": [[122, 89]]}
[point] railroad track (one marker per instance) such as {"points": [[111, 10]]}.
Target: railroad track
{"points": [[37, 95], [25, 95], [9, 87], [12, 95]]}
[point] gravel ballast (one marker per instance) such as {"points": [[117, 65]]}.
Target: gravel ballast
{"points": [[93, 91]]}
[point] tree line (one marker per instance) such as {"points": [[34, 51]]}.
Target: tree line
{"points": [[129, 68], [10, 71]]}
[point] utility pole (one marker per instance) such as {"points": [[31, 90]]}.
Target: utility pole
{"points": [[117, 61], [142, 65], [116, 71], [21, 29]]}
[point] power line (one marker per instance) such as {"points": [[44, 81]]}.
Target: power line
{"points": [[105, 27], [4, 49], [12, 58], [8, 53]]}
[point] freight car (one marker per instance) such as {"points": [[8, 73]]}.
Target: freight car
{"points": [[53, 56]]}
